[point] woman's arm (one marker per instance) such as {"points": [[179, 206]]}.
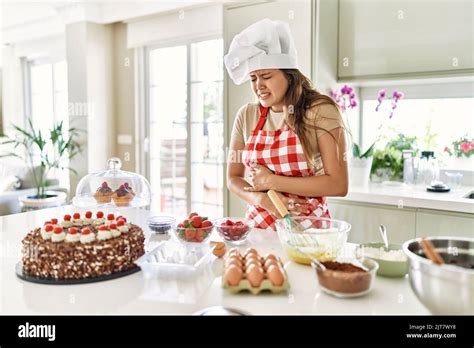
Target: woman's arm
{"points": [[236, 173], [333, 183], [236, 183]]}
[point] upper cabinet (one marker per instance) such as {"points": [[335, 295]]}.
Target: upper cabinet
{"points": [[380, 39]]}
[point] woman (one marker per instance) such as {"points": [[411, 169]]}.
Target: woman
{"points": [[293, 140]]}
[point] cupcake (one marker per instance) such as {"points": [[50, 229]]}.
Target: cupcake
{"points": [[122, 197], [103, 194], [129, 188]]}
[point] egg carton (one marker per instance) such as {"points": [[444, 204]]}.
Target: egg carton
{"points": [[244, 285], [266, 285]]}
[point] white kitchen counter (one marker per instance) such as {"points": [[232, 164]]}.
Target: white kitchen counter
{"points": [[128, 295], [411, 196]]}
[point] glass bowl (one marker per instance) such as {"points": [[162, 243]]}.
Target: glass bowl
{"points": [[389, 265], [322, 238], [193, 234], [161, 224], [234, 230], [340, 279]]}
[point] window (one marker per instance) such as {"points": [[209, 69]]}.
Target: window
{"points": [[48, 93], [186, 129], [435, 114], [48, 100]]}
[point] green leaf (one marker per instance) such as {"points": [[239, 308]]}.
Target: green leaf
{"points": [[356, 150], [369, 152]]}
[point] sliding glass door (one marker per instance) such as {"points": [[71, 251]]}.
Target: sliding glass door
{"points": [[185, 128]]}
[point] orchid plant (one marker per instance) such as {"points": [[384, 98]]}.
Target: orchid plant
{"points": [[347, 99]]}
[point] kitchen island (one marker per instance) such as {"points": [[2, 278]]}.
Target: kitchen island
{"points": [[129, 295]]}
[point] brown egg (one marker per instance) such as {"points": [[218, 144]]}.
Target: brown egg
{"points": [[252, 261], [219, 252], [235, 256], [234, 251], [218, 249], [270, 257], [234, 262], [252, 256], [254, 275], [250, 251], [233, 275], [235, 259], [275, 275], [269, 262]]}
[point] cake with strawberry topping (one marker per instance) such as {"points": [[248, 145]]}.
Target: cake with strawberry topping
{"points": [[76, 248], [103, 194]]}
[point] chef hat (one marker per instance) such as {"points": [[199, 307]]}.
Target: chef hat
{"points": [[265, 44]]}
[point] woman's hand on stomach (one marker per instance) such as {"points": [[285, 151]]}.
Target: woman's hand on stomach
{"points": [[292, 204]]}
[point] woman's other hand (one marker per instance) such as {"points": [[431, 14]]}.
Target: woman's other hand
{"points": [[260, 178]]}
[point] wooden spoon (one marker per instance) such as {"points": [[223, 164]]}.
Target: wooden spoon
{"points": [[430, 252]]}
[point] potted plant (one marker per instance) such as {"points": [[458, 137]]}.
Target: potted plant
{"points": [[43, 154], [388, 162], [461, 151], [360, 163]]}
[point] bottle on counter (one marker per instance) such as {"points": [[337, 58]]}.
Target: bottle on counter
{"points": [[428, 169]]}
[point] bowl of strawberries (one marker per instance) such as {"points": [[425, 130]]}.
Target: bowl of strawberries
{"points": [[194, 229], [234, 230]]}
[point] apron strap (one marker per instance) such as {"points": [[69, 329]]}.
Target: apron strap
{"points": [[262, 119]]}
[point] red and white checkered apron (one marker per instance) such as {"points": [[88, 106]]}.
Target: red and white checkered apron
{"points": [[281, 152]]}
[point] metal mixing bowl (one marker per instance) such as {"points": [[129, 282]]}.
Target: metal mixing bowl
{"points": [[445, 289]]}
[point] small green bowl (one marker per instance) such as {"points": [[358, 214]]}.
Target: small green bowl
{"points": [[387, 268]]}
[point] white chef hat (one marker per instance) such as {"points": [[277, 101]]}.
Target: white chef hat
{"points": [[266, 44]]}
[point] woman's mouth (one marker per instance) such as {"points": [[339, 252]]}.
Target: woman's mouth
{"points": [[264, 96]]}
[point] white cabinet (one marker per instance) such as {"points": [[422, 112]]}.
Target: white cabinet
{"points": [[402, 224], [366, 219], [405, 37], [236, 18], [439, 223]]}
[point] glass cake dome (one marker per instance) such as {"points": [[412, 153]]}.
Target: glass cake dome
{"points": [[113, 188]]}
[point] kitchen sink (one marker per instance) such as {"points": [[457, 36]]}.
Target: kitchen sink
{"points": [[470, 195]]}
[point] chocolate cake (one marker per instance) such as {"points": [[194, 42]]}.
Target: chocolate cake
{"points": [[89, 248]]}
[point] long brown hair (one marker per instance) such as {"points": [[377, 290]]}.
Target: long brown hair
{"points": [[300, 97]]}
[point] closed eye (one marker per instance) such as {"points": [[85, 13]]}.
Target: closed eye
{"points": [[265, 77]]}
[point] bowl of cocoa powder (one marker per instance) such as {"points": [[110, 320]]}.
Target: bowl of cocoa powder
{"points": [[347, 277]]}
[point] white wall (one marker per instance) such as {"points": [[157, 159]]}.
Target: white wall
{"points": [[179, 25], [91, 94], [124, 88], [12, 89]]}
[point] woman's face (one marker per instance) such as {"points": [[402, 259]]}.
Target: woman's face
{"points": [[270, 86]]}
